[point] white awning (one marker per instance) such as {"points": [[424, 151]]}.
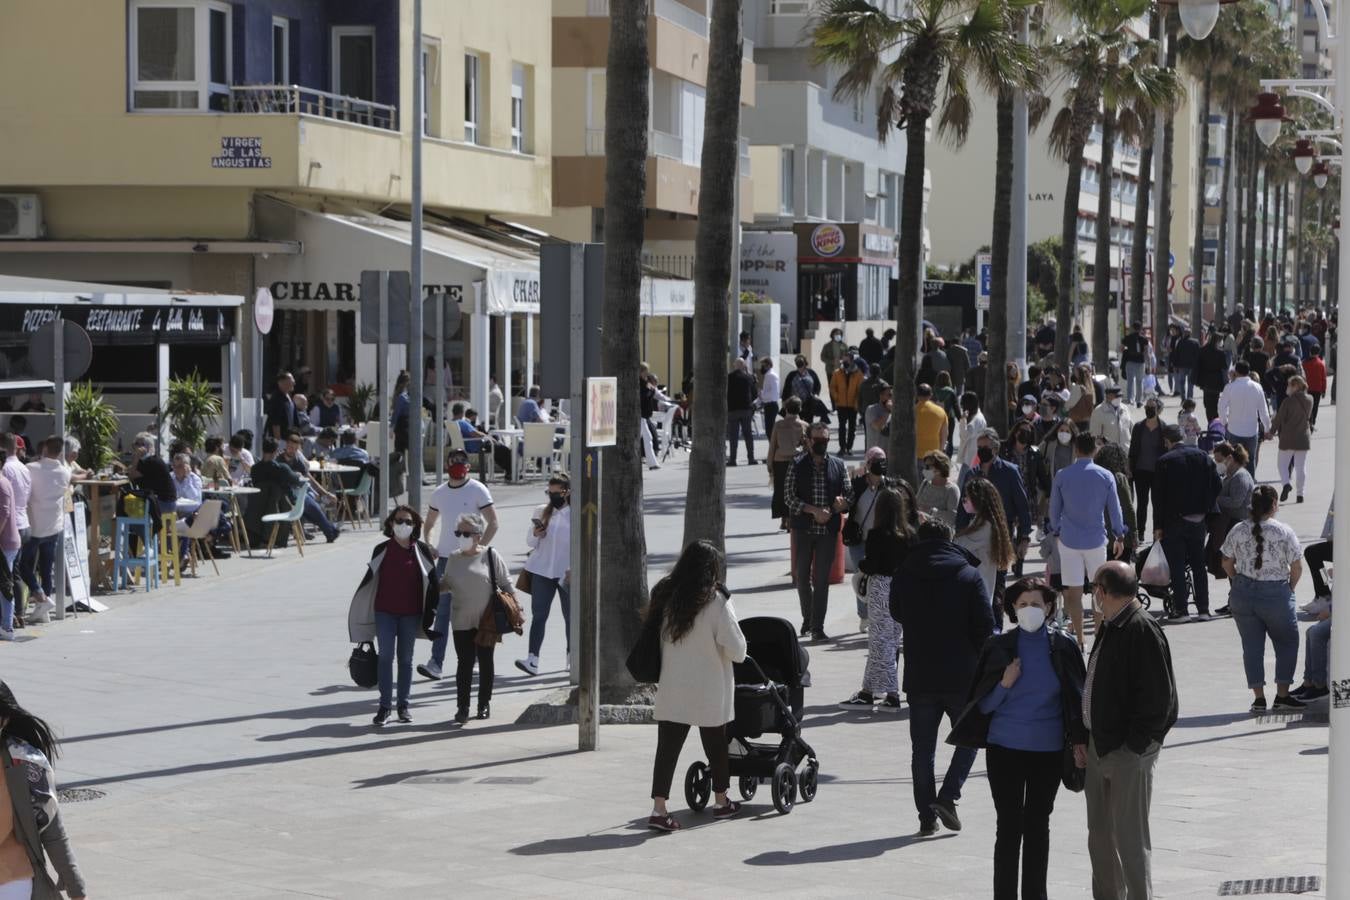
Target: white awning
{"points": [[51, 292]]}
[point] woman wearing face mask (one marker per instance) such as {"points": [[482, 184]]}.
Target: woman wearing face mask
{"points": [[887, 541], [1082, 397], [550, 540], [32, 834], [1014, 379], [868, 484], [1145, 448], [974, 424], [394, 604], [987, 534], [1025, 708], [473, 575], [786, 440], [1291, 425], [938, 497], [1056, 454]]}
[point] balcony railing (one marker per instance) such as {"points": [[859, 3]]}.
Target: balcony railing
{"points": [[659, 143], [291, 99], [670, 10]]}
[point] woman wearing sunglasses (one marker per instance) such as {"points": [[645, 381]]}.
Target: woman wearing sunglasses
{"points": [[474, 573], [395, 604]]}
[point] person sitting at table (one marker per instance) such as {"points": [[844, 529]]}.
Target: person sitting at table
{"points": [[328, 414], [326, 443], [303, 423], [293, 455], [278, 479], [529, 407], [150, 473], [178, 445], [348, 452], [238, 458], [77, 471], [187, 485], [214, 467]]}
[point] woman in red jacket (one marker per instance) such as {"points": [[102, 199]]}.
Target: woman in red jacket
{"points": [[1315, 373]]}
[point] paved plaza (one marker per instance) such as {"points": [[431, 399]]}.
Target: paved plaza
{"points": [[237, 760]]}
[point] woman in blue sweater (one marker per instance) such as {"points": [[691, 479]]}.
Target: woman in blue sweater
{"points": [[1025, 709]]}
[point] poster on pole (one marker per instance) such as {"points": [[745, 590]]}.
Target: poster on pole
{"points": [[602, 412], [984, 265]]}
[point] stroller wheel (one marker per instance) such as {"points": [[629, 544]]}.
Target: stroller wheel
{"points": [[784, 788], [697, 786], [748, 787], [1144, 598], [806, 784]]}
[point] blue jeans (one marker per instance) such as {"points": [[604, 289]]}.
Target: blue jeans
{"points": [[1134, 382], [855, 556], [925, 717], [1183, 382], [314, 515], [395, 636], [1262, 608], [542, 591], [7, 600], [1252, 445], [1317, 655], [442, 625], [1183, 544], [35, 563]]}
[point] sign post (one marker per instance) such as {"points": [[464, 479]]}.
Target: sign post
{"points": [[984, 266], [602, 404], [263, 311]]}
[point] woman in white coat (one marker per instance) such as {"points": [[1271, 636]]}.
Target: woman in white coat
{"points": [[700, 639]]}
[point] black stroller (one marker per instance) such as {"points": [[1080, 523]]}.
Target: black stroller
{"points": [[1164, 593], [768, 701]]}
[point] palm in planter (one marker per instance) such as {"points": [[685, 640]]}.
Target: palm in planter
{"points": [[91, 420], [360, 405], [191, 408]]}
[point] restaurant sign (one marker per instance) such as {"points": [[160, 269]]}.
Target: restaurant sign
{"points": [[126, 324]]}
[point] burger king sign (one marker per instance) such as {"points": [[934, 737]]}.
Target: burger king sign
{"points": [[827, 240]]}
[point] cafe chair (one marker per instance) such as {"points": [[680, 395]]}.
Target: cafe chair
{"points": [[198, 534], [170, 560], [357, 497], [129, 565], [486, 464], [538, 446], [292, 516]]}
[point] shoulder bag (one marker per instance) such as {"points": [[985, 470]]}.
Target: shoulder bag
{"points": [[502, 612], [644, 660], [853, 533]]}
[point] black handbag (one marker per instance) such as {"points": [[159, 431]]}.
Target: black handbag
{"points": [[644, 660], [364, 665], [1073, 777]]}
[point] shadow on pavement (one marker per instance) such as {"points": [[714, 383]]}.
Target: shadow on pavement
{"points": [[840, 852], [637, 833], [1212, 720], [397, 777]]}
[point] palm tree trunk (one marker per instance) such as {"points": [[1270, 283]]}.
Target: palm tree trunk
{"points": [[995, 400], [1221, 257], [1162, 231], [1277, 250], [1198, 236], [1101, 263], [908, 311], [623, 551], [1265, 237], [705, 511], [1284, 243], [1139, 250], [1253, 164], [1084, 111]]}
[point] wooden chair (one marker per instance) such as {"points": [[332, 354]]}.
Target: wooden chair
{"points": [[293, 517], [198, 534]]}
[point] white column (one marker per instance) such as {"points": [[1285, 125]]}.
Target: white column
{"points": [[162, 393], [505, 379], [529, 351], [480, 342]]}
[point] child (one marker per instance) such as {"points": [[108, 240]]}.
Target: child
{"points": [[1189, 424]]}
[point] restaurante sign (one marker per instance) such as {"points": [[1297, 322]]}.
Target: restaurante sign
{"points": [[127, 324]]}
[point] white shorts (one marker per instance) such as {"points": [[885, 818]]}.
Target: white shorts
{"points": [[1077, 567]]}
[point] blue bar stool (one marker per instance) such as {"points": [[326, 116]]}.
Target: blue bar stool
{"points": [[125, 564]]}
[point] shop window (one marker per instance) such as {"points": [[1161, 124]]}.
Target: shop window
{"points": [[179, 55], [281, 50]]}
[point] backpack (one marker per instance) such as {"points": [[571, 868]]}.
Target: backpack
{"points": [[801, 389]]}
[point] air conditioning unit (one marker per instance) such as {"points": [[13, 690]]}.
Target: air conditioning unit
{"points": [[20, 217]]}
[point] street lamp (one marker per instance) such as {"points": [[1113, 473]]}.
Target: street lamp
{"points": [[1304, 154], [1320, 172], [1198, 17], [1268, 116]]}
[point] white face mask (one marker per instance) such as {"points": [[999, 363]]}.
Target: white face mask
{"points": [[839, 338], [1027, 409], [1063, 437], [929, 473], [1115, 403], [1030, 618], [466, 543], [403, 532]]}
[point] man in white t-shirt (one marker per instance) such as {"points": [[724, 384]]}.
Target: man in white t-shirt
{"points": [[50, 480], [460, 495]]}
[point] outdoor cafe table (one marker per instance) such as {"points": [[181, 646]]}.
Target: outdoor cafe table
{"points": [[512, 438], [232, 494], [94, 487], [329, 473]]}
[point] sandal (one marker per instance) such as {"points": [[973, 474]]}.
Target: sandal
{"points": [[663, 823], [730, 811]]}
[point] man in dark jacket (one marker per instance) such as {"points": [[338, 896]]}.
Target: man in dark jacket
{"points": [[817, 490], [1185, 357], [1185, 488], [740, 411], [1007, 478], [870, 348], [1129, 705], [959, 359], [940, 601], [1211, 374]]}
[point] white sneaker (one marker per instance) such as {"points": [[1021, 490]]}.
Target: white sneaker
{"points": [[44, 608], [1316, 606], [862, 626], [6, 635], [529, 665], [430, 670]]}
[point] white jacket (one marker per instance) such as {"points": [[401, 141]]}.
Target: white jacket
{"points": [[1113, 425], [697, 686]]}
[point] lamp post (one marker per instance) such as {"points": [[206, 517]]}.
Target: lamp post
{"points": [[1198, 17], [1303, 154]]}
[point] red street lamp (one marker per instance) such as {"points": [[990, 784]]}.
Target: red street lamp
{"points": [[1268, 116], [1198, 17], [1320, 172], [1304, 154]]}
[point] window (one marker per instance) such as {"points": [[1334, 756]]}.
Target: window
{"points": [[431, 88], [354, 62], [519, 90], [787, 180], [860, 107], [471, 98], [180, 55], [789, 7], [281, 50], [890, 200]]}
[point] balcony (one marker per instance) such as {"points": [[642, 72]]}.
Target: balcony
{"points": [[659, 144], [291, 99], [670, 10]]}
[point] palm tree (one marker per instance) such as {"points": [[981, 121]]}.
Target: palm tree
{"points": [[705, 508], [623, 551], [1102, 67], [1144, 195], [1162, 216], [935, 46]]}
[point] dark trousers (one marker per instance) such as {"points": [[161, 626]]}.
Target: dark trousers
{"points": [[1143, 484], [670, 740], [1318, 555], [770, 413], [848, 426], [1212, 406], [1024, 784], [815, 558], [1184, 545], [466, 654], [925, 718], [1252, 445], [738, 426], [36, 564], [1317, 401]]}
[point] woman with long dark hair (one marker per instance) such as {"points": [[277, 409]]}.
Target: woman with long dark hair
{"points": [[31, 833], [700, 639], [987, 534], [1264, 561], [550, 541], [887, 540]]}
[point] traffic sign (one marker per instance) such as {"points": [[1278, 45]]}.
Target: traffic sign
{"points": [[1188, 283], [263, 310], [1171, 260], [77, 352], [602, 412], [984, 264]]}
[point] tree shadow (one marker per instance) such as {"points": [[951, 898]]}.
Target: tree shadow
{"points": [[841, 852]]}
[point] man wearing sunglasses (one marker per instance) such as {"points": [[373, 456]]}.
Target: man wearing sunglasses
{"points": [[459, 495]]}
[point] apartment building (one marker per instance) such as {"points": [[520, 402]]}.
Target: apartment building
{"points": [[677, 39], [213, 146], [826, 191]]}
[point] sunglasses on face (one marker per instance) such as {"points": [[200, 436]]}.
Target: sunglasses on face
{"points": [[403, 521], [466, 534]]}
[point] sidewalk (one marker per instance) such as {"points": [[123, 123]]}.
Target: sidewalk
{"points": [[238, 760]]}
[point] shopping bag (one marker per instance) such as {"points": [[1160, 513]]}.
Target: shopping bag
{"points": [[1155, 572], [1150, 384]]}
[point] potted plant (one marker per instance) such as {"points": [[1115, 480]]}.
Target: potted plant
{"points": [[361, 402], [91, 420], [191, 408]]}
